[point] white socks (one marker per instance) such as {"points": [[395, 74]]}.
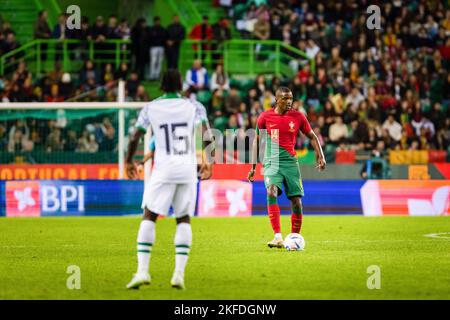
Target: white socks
{"points": [[183, 241], [145, 239]]}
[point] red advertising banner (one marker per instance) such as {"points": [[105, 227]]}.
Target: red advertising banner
{"points": [[105, 172], [406, 197], [225, 198], [236, 171], [59, 171]]}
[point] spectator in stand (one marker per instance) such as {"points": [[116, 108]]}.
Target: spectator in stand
{"points": [[232, 101], [202, 32], [60, 33], [219, 79], [19, 142], [393, 128], [261, 31], [141, 94], [157, 37], [338, 131], [9, 44], [66, 86], [99, 33], [221, 32], [54, 141], [196, 78], [42, 31], [108, 75], [122, 72], [133, 84], [112, 30], [123, 31], [139, 47], [260, 85], [92, 145], [71, 143], [267, 100], [276, 28], [55, 96], [175, 34], [89, 74]]}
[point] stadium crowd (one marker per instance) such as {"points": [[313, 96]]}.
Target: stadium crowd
{"points": [[370, 90]]}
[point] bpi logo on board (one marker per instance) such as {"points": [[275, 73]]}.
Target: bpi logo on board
{"points": [[34, 198]]}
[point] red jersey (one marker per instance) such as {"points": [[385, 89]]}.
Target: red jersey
{"points": [[283, 128]]}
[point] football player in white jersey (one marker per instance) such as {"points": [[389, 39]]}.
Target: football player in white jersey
{"points": [[174, 176]]}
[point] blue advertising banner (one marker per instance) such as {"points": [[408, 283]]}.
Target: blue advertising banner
{"points": [[94, 197], [34, 198], [321, 197]]}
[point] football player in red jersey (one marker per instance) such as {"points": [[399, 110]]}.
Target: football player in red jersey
{"points": [[281, 126]]}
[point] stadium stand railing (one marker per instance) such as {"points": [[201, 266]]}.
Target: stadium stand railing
{"points": [[249, 57], [70, 52]]}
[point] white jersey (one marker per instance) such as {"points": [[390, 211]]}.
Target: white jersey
{"points": [[173, 120]]}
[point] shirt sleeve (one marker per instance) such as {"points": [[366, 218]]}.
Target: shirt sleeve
{"points": [[304, 127], [260, 123], [200, 113], [143, 121]]}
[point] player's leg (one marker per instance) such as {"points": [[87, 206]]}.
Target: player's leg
{"points": [[183, 243], [297, 214], [145, 240], [294, 191], [156, 201], [183, 207], [273, 186]]}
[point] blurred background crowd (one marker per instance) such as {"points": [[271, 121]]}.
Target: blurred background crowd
{"points": [[369, 89]]}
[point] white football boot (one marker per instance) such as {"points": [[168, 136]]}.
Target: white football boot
{"points": [[139, 279], [277, 242], [177, 280]]}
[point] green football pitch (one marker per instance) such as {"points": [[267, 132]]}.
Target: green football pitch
{"points": [[229, 259]]}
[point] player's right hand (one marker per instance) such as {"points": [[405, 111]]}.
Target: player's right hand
{"points": [[205, 171], [251, 176], [131, 171]]}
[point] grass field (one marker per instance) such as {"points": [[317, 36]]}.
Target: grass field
{"points": [[229, 259]]}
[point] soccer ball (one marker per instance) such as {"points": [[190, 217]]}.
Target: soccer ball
{"points": [[294, 242]]}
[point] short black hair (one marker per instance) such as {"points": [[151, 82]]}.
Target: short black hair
{"points": [[284, 89], [171, 81]]}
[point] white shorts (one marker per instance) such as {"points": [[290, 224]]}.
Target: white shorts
{"points": [[160, 196]]}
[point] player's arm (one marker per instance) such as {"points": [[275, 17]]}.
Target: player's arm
{"points": [[147, 157], [255, 147], [320, 158], [254, 156], [207, 144], [142, 123], [206, 164], [131, 150]]}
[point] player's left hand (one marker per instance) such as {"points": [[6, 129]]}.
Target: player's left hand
{"points": [[131, 171], [321, 164], [205, 171]]}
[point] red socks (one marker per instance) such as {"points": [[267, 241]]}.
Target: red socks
{"points": [[274, 216], [296, 222]]}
